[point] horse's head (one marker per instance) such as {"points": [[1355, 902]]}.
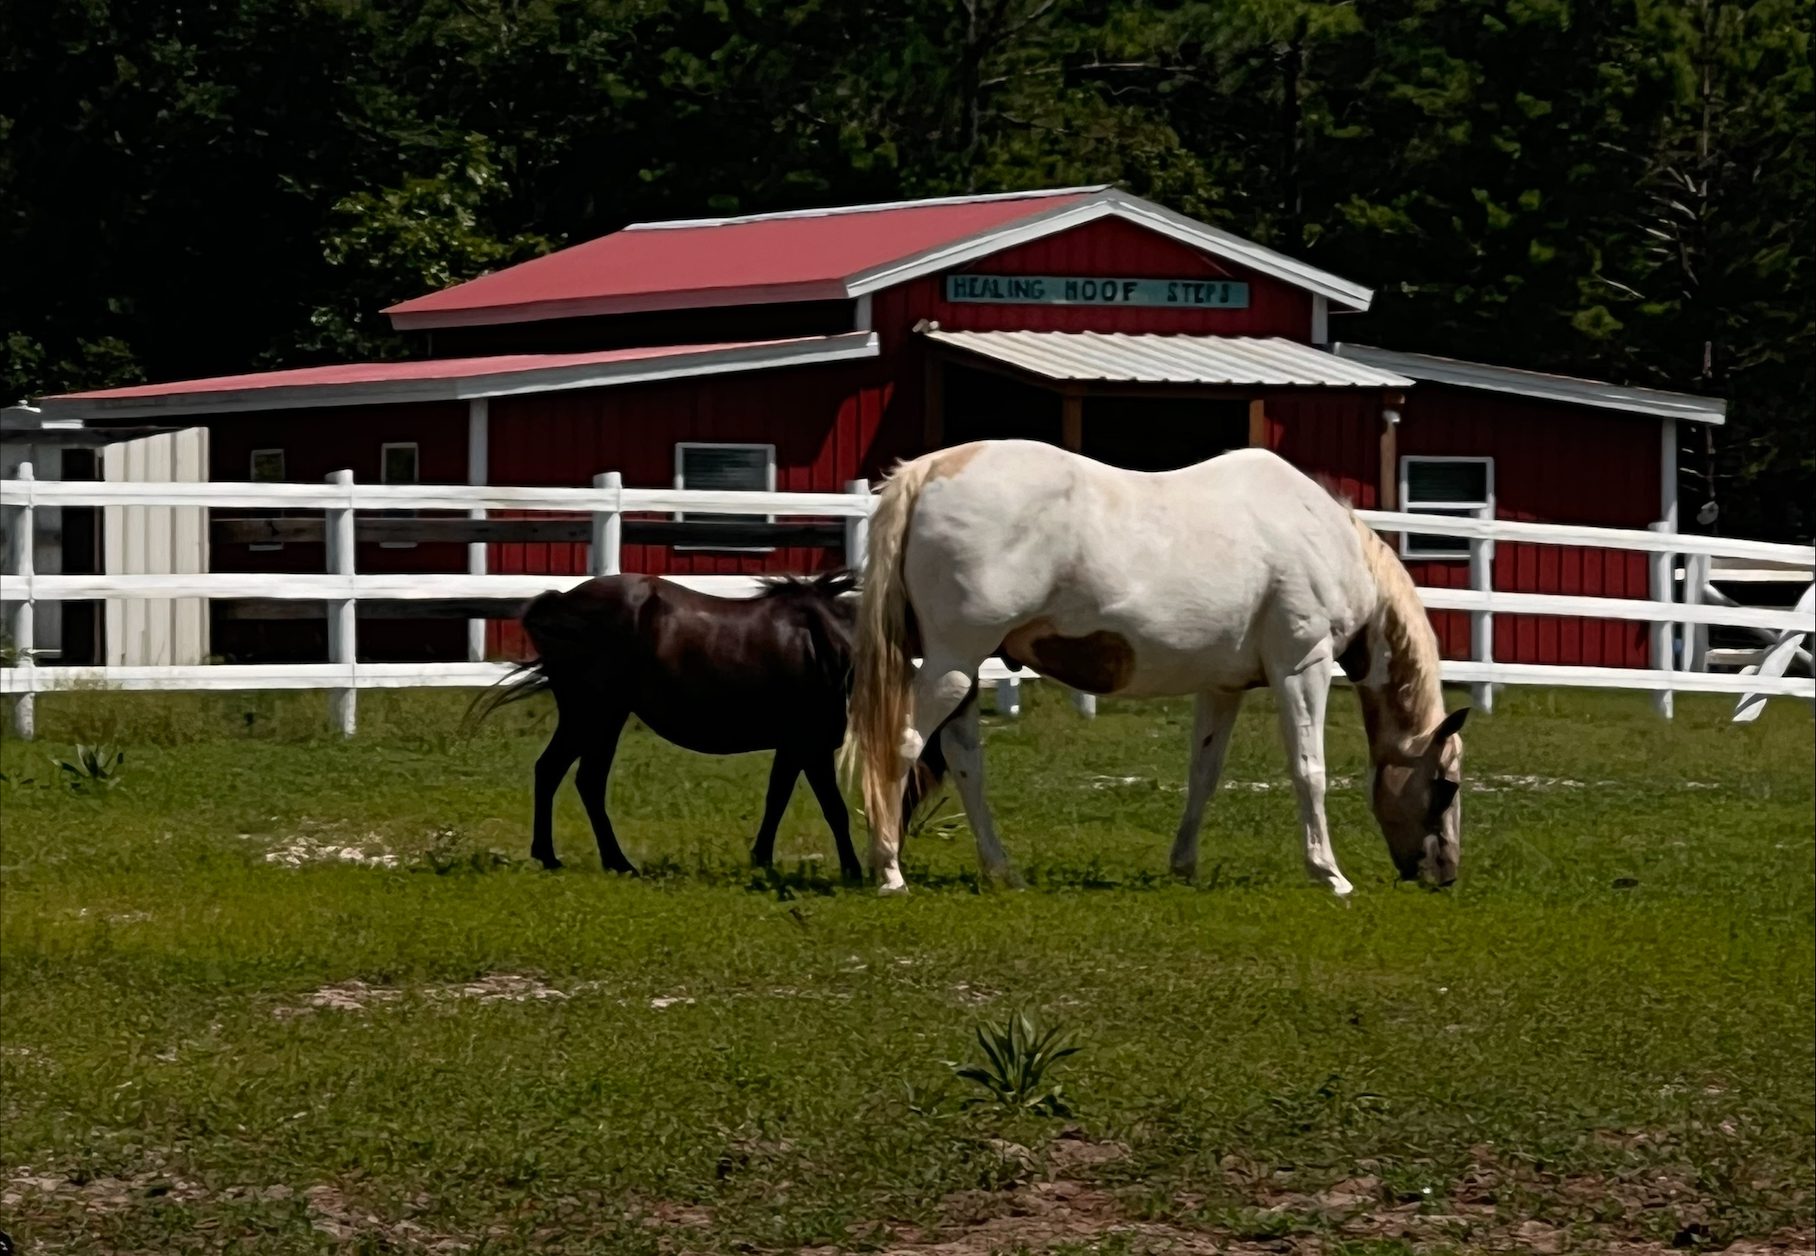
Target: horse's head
{"points": [[1417, 800]]}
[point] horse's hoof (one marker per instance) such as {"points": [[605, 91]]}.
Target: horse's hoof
{"points": [[852, 876], [623, 870], [892, 891], [1186, 873], [551, 864]]}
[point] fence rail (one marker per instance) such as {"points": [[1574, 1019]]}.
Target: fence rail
{"points": [[597, 515]]}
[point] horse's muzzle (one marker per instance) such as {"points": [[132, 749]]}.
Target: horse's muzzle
{"points": [[1427, 869]]}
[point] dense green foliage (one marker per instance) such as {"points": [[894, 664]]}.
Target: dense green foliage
{"points": [[1620, 188], [229, 1024]]}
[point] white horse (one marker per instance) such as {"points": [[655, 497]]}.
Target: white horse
{"points": [[1210, 580]]}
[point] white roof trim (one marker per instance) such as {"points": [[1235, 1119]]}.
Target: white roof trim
{"points": [[981, 199], [533, 379], [1565, 388], [1138, 358], [1107, 204]]}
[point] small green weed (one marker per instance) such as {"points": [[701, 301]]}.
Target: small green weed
{"points": [[92, 768], [1019, 1061]]}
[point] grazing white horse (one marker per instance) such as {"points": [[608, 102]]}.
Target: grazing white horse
{"points": [[1210, 580]]}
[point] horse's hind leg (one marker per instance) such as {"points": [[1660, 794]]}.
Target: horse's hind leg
{"points": [[823, 777], [590, 781], [1302, 693], [962, 740], [782, 773], [551, 768], [939, 687], [1213, 720]]}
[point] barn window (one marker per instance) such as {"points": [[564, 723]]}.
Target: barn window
{"points": [[737, 468], [1461, 488], [397, 464], [266, 466]]}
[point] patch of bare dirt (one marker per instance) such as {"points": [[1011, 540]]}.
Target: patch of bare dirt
{"points": [[357, 996], [330, 1211], [1055, 1202]]}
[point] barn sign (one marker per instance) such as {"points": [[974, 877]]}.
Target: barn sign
{"points": [[1199, 294]]}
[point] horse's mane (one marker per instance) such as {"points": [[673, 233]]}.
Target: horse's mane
{"points": [[828, 585], [1413, 695]]}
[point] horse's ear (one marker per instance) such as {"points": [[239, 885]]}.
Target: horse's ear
{"points": [[1452, 725]]}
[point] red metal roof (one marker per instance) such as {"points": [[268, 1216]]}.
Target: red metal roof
{"points": [[360, 383], [809, 255]]}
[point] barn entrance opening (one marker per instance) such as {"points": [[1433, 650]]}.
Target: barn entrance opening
{"points": [[1161, 433], [989, 405]]}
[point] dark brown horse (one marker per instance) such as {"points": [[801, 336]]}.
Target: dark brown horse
{"points": [[713, 674]]}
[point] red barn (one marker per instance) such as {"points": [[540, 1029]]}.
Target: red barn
{"points": [[801, 351]]}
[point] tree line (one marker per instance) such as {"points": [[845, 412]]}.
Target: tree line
{"points": [[1616, 188]]}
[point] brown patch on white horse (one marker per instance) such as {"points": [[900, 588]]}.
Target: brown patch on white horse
{"points": [[1098, 662]]}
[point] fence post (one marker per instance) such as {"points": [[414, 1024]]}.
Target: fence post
{"points": [[1008, 696], [1481, 623], [479, 420], [1696, 636], [1086, 703], [857, 528], [606, 556], [22, 630], [343, 632], [1663, 700]]}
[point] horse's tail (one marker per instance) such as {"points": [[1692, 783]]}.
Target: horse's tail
{"points": [[556, 633], [881, 699]]}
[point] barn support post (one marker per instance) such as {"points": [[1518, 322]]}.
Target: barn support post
{"points": [[478, 458], [1008, 696], [1481, 623], [1072, 421], [606, 554], [933, 414], [343, 638], [1387, 490], [21, 632], [1663, 567], [857, 527]]}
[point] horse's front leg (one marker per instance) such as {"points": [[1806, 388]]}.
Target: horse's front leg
{"points": [[782, 773], [823, 778], [591, 781], [1213, 720], [1302, 694]]}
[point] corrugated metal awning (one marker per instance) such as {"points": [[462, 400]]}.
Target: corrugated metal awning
{"points": [[1113, 357], [1567, 388]]}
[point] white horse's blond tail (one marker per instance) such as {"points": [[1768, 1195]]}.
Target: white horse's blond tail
{"points": [[882, 697]]}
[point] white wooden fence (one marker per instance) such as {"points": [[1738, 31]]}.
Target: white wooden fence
{"points": [[1676, 625]]}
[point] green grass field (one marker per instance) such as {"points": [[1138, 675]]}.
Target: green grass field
{"points": [[277, 993]]}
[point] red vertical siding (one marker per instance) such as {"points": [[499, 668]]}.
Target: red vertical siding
{"points": [[822, 421], [1553, 464], [1331, 435], [317, 443]]}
